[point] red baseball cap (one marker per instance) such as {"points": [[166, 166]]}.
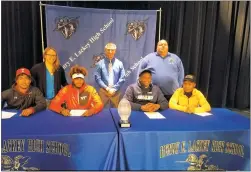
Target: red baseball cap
{"points": [[23, 71]]}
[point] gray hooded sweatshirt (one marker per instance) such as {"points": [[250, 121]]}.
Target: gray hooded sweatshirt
{"points": [[137, 95]]}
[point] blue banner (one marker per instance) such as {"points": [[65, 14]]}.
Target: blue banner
{"points": [[186, 151], [80, 35], [49, 141], [184, 141]]}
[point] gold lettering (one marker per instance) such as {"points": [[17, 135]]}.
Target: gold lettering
{"points": [[13, 145], [58, 148], [21, 145], [241, 150], [217, 146], [5, 147], [9, 142], [53, 147], [48, 144], [183, 150], [190, 147], [169, 149], [161, 151], [31, 145], [234, 149], [39, 146], [198, 146], [66, 149], [35, 145]]}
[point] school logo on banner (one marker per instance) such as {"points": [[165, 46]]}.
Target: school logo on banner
{"points": [[66, 25], [200, 163], [136, 28], [18, 163], [96, 58]]}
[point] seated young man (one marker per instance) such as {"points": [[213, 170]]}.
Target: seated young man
{"points": [[23, 96], [144, 96], [77, 95], [188, 99]]}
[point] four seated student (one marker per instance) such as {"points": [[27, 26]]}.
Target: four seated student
{"points": [[145, 96], [77, 95], [188, 99], [23, 96]]}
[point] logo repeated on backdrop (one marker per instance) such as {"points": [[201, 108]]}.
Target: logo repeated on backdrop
{"points": [[16, 164], [66, 25], [136, 28], [96, 58], [85, 46]]}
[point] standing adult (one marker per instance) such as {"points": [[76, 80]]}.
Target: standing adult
{"points": [[166, 68], [110, 75], [49, 75]]}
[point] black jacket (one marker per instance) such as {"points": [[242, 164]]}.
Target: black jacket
{"points": [[38, 73], [15, 100]]}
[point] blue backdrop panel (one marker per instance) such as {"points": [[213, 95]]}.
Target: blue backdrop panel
{"points": [[80, 34]]}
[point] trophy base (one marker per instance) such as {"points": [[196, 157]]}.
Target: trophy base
{"points": [[123, 124]]}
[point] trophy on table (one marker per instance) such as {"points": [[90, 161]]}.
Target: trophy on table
{"points": [[124, 110]]}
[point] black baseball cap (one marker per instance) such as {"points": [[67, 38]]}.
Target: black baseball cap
{"points": [[190, 78]]}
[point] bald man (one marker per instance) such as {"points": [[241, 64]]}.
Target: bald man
{"points": [[167, 69], [110, 76]]}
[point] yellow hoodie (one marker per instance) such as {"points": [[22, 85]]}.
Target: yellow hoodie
{"points": [[180, 102]]}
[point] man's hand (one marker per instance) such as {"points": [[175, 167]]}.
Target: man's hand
{"points": [[150, 107], [109, 91], [190, 109], [156, 107], [65, 112], [27, 112], [153, 107], [144, 108], [89, 112]]}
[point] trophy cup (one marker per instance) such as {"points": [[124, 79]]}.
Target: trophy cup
{"points": [[124, 110]]}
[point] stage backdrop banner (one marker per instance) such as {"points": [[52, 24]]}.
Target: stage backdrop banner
{"points": [[80, 34]]}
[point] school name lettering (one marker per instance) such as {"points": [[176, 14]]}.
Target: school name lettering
{"points": [[87, 45], [36, 145], [201, 146], [133, 67]]}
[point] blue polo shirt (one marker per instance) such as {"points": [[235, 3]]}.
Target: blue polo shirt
{"points": [[167, 72]]}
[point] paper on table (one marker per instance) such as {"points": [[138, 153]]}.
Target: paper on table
{"points": [[154, 115], [6, 115], [203, 114], [77, 112]]}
